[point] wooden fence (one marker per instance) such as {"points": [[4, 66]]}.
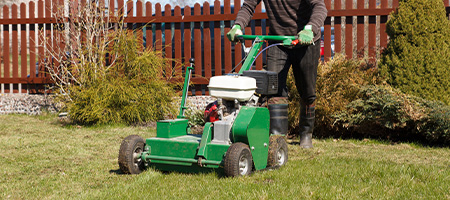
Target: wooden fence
{"points": [[353, 27]]}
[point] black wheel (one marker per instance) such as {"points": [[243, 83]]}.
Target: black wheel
{"points": [[238, 160], [129, 155], [278, 152]]}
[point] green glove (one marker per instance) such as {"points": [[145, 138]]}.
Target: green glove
{"points": [[306, 36], [234, 32]]}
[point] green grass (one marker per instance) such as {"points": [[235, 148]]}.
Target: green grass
{"points": [[41, 159]]}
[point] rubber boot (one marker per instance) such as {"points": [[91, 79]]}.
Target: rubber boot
{"points": [[307, 118], [278, 119]]}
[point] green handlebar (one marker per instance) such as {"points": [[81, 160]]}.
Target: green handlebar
{"points": [[259, 39], [268, 37]]}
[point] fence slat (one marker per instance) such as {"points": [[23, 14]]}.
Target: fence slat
{"points": [[177, 43], [158, 31], [168, 40], [148, 27], [395, 3], [337, 28], [207, 41], [217, 42], [383, 20], [187, 36], [327, 34], [129, 13], [6, 55], [112, 8], [15, 43], [227, 44], [41, 39], [372, 31], [120, 8], [62, 29], [32, 40], [23, 42], [198, 49], [237, 46], [139, 31], [349, 31], [360, 30], [49, 39]]}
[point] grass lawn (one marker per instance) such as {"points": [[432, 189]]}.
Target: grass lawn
{"points": [[41, 159]]}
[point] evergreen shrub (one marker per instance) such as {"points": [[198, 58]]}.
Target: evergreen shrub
{"points": [[417, 58], [135, 89], [387, 113]]}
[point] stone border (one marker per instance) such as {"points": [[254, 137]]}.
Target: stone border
{"points": [[33, 104], [27, 104]]}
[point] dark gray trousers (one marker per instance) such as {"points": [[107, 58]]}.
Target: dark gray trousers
{"points": [[304, 61]]}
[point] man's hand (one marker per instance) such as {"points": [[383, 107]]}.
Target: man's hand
{"points": [[234, 32], [306, 36]]}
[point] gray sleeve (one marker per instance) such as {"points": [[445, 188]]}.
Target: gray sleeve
{"points": [[319, 13], [245, 14]]}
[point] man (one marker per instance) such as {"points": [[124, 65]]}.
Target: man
{"points": [[292, 17]]}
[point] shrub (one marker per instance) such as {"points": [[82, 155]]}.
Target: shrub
{"points": [[417, 58], [102, 71], [131, 91], [380, 111], [338, 83], [387, 113], [436, 126]]}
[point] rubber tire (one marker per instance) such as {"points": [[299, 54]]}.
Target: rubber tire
{"points": [[277, 144], [127, 163], [234, 154]]}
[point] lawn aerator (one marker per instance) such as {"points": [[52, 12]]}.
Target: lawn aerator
{"points": [[240, 141]]}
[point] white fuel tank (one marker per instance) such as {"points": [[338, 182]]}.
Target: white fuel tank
{"points": [[232, 87]]}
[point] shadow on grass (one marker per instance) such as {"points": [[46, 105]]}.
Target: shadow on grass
{"points": [[219, 173], [116, 172]]}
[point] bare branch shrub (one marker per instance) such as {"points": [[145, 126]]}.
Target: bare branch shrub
{"points": [[102, 71]]}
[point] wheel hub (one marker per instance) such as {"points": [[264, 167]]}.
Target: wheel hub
{"points": [[137, 157], [281, 157], [243, 165]]}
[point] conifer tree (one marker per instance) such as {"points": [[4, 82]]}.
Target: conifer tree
{"points": [[417, 58]]}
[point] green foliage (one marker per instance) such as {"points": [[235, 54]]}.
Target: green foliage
{"points": [[379, 111], [436, 126], [338, 83], [417, 58], [354, 101], [385, 112], [132, 90]]}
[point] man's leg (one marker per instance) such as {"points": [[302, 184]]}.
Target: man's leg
{"points": [[304, 64], [278, 105], [277, 61]]}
